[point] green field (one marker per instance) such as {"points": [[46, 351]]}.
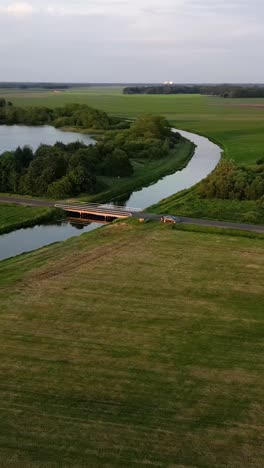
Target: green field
{"points": [[235, 123], [112, 359], [15, 216]]}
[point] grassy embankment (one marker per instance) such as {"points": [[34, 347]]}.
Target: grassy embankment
{"points": [[113, 359], [188, 203], [16, 217], [236, 124]]}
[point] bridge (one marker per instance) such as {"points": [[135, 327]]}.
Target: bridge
{"points": [[97, 211]]}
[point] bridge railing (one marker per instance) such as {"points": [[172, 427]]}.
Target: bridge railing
{"points": [[93, 206]]}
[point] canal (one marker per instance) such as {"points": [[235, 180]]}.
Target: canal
{"points": [[204, 160]]}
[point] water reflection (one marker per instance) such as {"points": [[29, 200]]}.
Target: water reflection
{"points": [[203, 162], [25, 240]]}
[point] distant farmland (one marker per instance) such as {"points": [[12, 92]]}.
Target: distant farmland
{"points": [[238, 124]]}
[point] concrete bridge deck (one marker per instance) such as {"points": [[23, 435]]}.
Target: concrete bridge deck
{"points": [[97, 209]]}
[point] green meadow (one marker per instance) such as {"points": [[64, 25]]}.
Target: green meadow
{"points": [[237, 124], [112, 359]]}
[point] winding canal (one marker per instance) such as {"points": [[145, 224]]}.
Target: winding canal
{"points": [[204, 160]]}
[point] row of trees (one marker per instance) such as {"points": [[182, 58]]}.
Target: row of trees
{"points": [[163, 89], [60, 170], [30, 85], [67, 170], [230, 181], [227, 91], [70, 115]]}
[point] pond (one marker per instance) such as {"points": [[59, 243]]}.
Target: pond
{"points": [[204, 160]]}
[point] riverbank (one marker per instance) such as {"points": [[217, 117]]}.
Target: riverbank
{"points": [[190, 203], [145, 174], [13, 217], [102, 349]]}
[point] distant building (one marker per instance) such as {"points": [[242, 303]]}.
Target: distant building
{"points": [[167, 82]]}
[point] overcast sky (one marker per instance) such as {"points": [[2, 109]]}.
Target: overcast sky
{"points": [[132, 40]]}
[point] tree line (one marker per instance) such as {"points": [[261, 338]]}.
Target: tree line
{"points": [[226, 91], [230, 181], [70, 115], [65, 170]]}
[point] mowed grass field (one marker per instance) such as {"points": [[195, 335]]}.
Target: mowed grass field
{"points": [[238, 124], [135, 345]]}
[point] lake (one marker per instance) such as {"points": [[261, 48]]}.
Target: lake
{"points": [[12, 136]]}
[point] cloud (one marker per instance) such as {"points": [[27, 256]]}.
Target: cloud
{"points": [[18, 9]]}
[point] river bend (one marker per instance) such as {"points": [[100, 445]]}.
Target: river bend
{"points": [[204, 160]]}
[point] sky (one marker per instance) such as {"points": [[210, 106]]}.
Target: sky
{"points": [[132, 40]]}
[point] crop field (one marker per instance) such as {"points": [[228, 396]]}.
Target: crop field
{"points": [[112, 359], [15, 216], [238, 124]]}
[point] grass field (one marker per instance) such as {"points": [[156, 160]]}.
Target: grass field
{"points": [[112, 359], [15, 216], [238, 124]]}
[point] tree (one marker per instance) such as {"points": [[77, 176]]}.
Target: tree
{"points": [[23, 157], [60, 188], [7, 171], [82, 180], [117, 164], [150, 126]]}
